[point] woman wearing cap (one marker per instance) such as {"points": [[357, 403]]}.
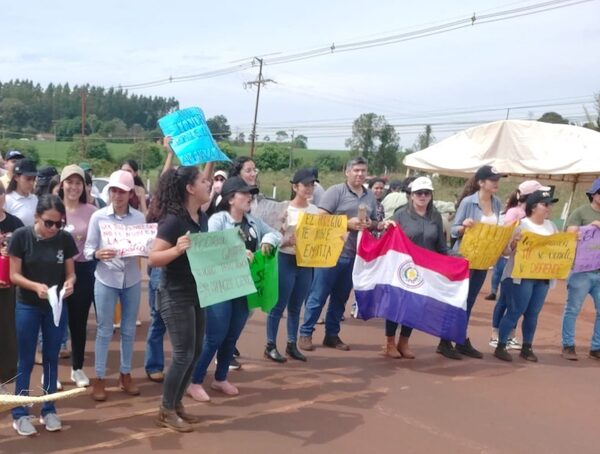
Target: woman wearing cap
{"points": [[181, 193], [20, 199], [116, 277], [41, 261], [294, 281], [138, 197], [10, 161], [225, 321], [423, 225], [42, 183], [215, 193], [525, 297], [79, 213], [478, 204]]}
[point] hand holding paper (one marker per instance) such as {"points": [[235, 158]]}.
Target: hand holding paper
{"points": [[56, 302]]}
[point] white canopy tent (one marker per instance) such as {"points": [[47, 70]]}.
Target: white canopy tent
{"points": [[532, 149]]}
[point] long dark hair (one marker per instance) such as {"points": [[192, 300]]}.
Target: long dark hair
{"points": [[237, 164], [513, 200], [471, 187], [135, 167], [50, 202], [82, 197], [171, 193]]}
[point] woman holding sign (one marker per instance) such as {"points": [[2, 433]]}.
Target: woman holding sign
{"points": [[225, 321], [478, 204], [525, 297], [294, 281], [181, 193]]}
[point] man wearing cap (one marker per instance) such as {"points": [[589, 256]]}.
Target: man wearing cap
{"points": [[336, 282], [579, 285], [20, 199], [10, 160]]}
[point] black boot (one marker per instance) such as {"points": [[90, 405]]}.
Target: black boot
{"points": [[468, 350], [272, 354], [445, 348], [502, 353], [527, 353], [292, 351]]}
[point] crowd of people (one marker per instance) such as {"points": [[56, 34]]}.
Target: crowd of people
{"points": [[51, 242]]}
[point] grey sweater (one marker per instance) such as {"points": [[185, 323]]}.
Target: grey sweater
{"points": [[425, 231]]}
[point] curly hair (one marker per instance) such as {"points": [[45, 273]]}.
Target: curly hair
{"points": [[171, 195], [471, 187], [237, 164]]}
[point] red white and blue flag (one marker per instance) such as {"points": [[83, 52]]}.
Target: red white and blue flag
{"points": [[402, 282]]}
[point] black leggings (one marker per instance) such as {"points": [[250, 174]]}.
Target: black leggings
{"points": [[78, 306], [390, 329]]}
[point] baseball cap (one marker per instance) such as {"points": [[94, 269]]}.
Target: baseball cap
{"points": [[236, 184], [121, 179], [530, 186], [26, 167], [13, 154], [539, 197], [421, 184], [70, 170], [488, 173], [595, 188], [220, 173], [46, 173], [304, 176], [85, 166]]}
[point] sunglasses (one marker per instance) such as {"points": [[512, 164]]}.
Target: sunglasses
{"points": [[49, 224], [422, 193]]}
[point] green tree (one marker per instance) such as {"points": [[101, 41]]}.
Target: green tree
{"points": [[272, 157], [553, 117], [27, 148], [147, 154], [425, 139], [240, 139], [95, 148], [330, 162], [386, 158], [376, 140], [301, 141], [219, 127], [281, 136]]}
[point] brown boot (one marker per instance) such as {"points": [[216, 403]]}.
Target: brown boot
{"points": [[98, 391], [126, 384], [170, 420], [389, 349], [305, 343], [190, 419], [403, 348]]}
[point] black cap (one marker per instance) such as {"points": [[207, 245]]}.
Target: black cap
{"points": [[46, 173], [13, 154], [488, 173], [26, 167], [236, 184], [539, 197], [304, 176]]}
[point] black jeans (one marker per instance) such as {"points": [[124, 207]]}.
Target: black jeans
{"points": [[184, 318], [391, 327], [78, 307], [8, 335]]}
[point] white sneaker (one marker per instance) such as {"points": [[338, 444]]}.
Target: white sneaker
{"points": [[51, 421], [24, 427], [79, 378], [493, 342], [59, 386], [513, 344]]}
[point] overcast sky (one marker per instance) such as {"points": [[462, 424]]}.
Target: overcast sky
{"points": [[545, 58]]}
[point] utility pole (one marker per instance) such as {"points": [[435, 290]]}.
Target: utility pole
{"points": [[259, 82], [292, 148], [83, 102]]}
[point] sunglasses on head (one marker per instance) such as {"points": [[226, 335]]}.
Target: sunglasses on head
{"points": [[422, 193], [49, 224]]}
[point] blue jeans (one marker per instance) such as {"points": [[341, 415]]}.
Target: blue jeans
{"points": [[335, 283], [497, 275], [154, 359], [476, 280], [500, 307], [224, 324], [525, 299], [106, 299], [29, 320], [294, 284], [579, 285]]}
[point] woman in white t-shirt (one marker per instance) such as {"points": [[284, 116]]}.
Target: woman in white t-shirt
{"points": [[525, 297], [294, 281], [20, 199]]}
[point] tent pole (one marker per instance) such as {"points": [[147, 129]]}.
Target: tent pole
{"points": [[569, 203]]}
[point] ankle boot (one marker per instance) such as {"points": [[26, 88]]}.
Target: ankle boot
{"points": [[446, 349], [190, 419], [527, 353], [98, 390], [127, 385], [292, 351], [272, 354], [389, 349], [404, 349], [170, 420], [502, 353], [467, 349]]}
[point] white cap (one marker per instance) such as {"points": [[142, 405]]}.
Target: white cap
{"points": [[221, 173], [421, 183], [122, 180]]}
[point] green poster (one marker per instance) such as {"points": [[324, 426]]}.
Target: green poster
{"points": [[265, 274], [220, 267]]}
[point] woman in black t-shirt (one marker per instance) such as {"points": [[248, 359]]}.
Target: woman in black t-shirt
{"points": [[180, 194], [41, 265]]}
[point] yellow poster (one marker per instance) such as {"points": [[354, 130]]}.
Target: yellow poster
{"points": [[319, 239], [482, 244], [544, 257]]}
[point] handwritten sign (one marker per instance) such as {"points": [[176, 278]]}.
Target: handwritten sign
{"points": [[482, 244], [220, 267], [588, 249], [191, 141], [544, 257], [265, 274], [320, 239], [128, 240]]}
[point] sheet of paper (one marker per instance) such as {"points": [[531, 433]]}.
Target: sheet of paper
{"points": [[56, 302]]}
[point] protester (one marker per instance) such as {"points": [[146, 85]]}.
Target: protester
{"points": [[350, 199], [319, 191], [41, 261], [79, 212], [138, 199], [215, 193], [377, 186], [8, 335], [478, 203], [20, 199], [394, 199], [10, 161], [294, 281], [42, 182], [89, 191], [115, 278], [422, 224], [525, 297], [180, 196], [225, 321], [580, 284]]}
